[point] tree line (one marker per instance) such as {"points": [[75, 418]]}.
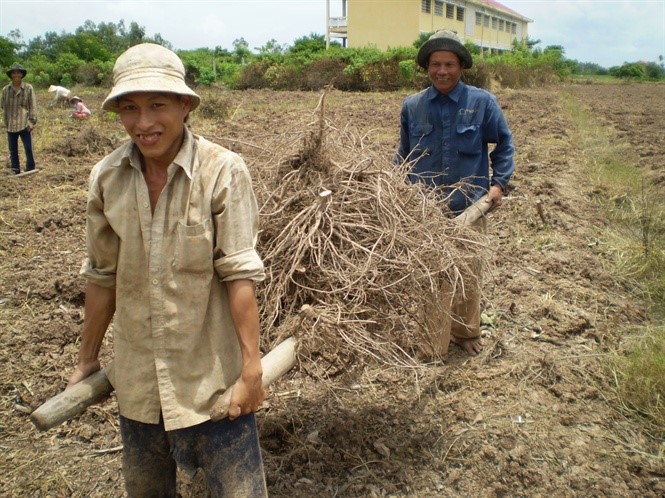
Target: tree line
{"points": [[86, 57]]}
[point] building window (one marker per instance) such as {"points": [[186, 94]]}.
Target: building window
{"points": [[426, 6], [438, 7], [486, 21], [514, 30], [479, 18], [460, 13], [450, 11], [500, 24], [495, 22]]}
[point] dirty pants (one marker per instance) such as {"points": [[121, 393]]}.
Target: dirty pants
{"points": [[227, 451], [462, 319]]}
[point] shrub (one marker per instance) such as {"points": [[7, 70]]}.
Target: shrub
{"points": [[215, 106], [66, 80], [228, 73], [633, 70], [478, 75], [253, 75], [325, 71], [89, 74]]}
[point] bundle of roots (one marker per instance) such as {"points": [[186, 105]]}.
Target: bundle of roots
{"points": [[357, 258]]}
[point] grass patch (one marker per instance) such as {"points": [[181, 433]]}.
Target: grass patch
{"points": [[640, 378], [636, 210], [634, 205], [594, 79]]}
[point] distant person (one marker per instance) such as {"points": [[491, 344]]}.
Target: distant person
{"points": [[60, 95], [445, 132], [172, 225], [19, 107], [80, 110]]}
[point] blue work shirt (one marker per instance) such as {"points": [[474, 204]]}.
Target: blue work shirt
{"points": [[445, 140]]}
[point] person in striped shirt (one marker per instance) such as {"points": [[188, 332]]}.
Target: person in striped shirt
{"points": [[19, 107]]}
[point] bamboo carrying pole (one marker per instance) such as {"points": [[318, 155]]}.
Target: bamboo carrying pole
{"points": [[275, 364], [74, 400], [474, 212]]}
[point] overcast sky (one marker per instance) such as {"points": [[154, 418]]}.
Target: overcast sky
{"points": [[606, 32]]}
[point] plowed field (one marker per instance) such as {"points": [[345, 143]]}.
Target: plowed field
{"points": [[534, 415]]}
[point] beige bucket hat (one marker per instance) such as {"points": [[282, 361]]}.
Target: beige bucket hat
{"points": [[148, 67]]}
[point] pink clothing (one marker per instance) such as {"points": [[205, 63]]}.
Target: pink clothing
{"points": [[80, 110]]}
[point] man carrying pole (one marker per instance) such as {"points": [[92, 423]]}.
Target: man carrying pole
{"points": [[172, 225]]}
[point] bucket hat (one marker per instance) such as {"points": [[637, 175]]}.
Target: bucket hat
{"points": [[444, 40], [16, 67], [148, 67], [74, 99]]}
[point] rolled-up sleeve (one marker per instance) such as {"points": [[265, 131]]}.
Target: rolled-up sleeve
{"points": [[102, 242], [236, 219]]}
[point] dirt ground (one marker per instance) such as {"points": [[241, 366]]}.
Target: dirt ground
{"points": [[534, 415]]}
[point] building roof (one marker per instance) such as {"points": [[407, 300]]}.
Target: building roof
{"points": [[493, 4]]}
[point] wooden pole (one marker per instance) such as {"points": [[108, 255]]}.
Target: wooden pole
{"points": [[74, 400], [26, 173], [475, 211], [275, 364]]}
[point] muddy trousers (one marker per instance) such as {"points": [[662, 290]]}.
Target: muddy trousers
{"points": [[12, 142], [227, 452], [463, 320]]}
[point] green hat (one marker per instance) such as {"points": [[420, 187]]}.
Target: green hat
{"points": [[444, 40], [16, 67]]}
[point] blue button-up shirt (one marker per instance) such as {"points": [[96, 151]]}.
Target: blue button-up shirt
{"points": [[445, 140]]}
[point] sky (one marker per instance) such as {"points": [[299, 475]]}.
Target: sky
{"points": [[605, 32]]}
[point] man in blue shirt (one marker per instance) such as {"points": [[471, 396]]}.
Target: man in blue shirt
{"points": [[445, 132]]}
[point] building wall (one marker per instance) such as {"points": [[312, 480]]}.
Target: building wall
{"points": [[382, 23], [494, 30], [441, 15], [393, 23]]}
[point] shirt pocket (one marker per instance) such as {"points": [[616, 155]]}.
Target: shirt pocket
{"points": [[193, 251], [420, 136], [469, 139]]}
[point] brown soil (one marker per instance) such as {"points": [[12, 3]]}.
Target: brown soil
{"points": [[534, 415]]}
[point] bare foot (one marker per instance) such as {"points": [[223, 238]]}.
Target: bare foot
{"points": [[472, 346]]}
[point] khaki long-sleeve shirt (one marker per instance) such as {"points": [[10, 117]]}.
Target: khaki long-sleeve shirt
{"points": [[175, 345], [19, 107]]}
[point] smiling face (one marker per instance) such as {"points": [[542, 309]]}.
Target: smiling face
{"points": [[444, 70], [155, 122]]}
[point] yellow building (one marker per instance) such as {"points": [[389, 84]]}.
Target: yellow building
{"points": [[395, 23]]}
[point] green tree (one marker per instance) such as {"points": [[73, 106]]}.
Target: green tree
{"points": [[86, 46], [309, 44], [136, 34], [418, 42], [654, 71], [632, 70], [271, 50], [590, 68], [241, 50], [7, 52]]}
